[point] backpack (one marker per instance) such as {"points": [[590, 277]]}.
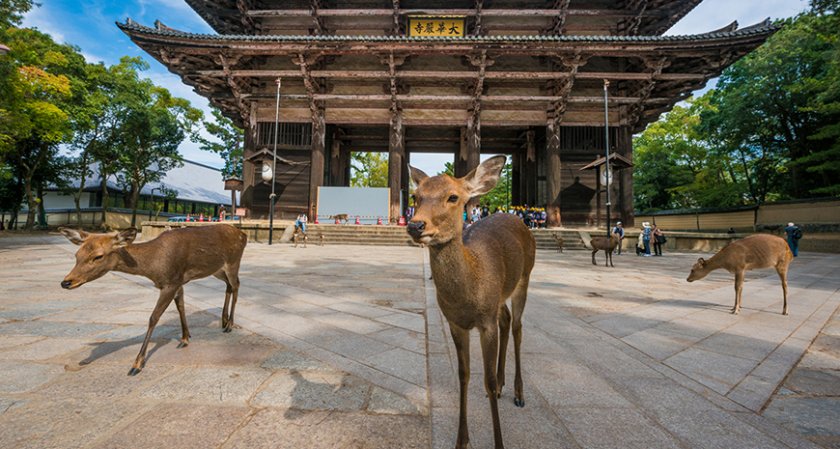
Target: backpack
{"points": [[797, 233]]}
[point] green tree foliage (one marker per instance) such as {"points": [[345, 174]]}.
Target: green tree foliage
{"points": [[228, 142], [12, 11], [768, 131], [153, 126], [369, 169]]}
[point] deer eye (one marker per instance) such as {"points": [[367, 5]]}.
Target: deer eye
{"points": [[95, 258], [452, 199]]}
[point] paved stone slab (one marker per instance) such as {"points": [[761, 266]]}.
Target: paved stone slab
{"points": [[178, 426], [810, 416], [209, 385], [292, 429], [313, 390], [20, 377]]}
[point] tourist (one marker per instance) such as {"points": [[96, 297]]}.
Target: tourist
{"points": [[221, 213], [793, 235], [618, 230], [658, 240], [640, 243], [301, 223], [646, 235]]}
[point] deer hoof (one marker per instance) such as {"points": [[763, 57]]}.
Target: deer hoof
{"points": [[183, 344], [134, 371], [518, 402], [227, 329]]}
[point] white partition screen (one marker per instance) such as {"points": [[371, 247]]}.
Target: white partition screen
{"points": [[367, 203]]}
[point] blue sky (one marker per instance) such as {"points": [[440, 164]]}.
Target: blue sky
{"points": [[89, 24]]}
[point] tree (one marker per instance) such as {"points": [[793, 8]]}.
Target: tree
{"points": [[154, 126], [40, 81], [12, 11], [369, 169], [229, 143]]}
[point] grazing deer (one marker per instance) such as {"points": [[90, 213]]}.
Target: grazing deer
{"points": [[559, 241], [750, 253], [604, 244], [170, 261], [475, 271], [298, 237]]}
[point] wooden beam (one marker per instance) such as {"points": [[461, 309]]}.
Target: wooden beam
{"points": [[490, 12], [445, 74], [459, 98]]}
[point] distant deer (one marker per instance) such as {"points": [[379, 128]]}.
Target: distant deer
{"points": [[170, 261], [604, 244], [753, 252], [559, 241], [475, 271], [298, 237]]}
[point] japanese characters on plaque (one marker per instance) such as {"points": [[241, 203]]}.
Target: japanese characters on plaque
{"points": [[436, 26]]}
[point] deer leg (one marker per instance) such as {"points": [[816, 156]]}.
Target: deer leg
{"points": [[593, 256], [185, 332], [166, 296], [782, 270], [739, 285], [461, 337], [520, 295], [234, 285], [489, 350], [504, 336]]}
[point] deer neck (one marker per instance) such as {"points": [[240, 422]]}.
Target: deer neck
{"points": [[453, 267], [136, 259]]}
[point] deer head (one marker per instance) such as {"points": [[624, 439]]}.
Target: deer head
{"points": [[439, 200], [96, 255], [698, 271]]}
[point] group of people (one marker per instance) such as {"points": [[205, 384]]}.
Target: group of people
{"points": [[533, 217], [648, 236]]}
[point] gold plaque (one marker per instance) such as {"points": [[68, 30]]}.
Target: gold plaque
{"points": [[436, 26]]}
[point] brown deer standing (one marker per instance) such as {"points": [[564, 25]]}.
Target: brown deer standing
{"points": [[475, 271], [170, 261], [604, 244], [750, 253]]}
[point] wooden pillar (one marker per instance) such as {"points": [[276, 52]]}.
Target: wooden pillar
{"points": [[246, 198], [396, 155], [552, 173], [625, 177], [346, 153], [516, 178], [335, 160], [316, 158], [529, 170], [406, 180]]}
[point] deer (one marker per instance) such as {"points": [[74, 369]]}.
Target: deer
{"points": [[298, 237], [170, 261], [559, 241], [604, 244], [475, 272], [750, 253]]}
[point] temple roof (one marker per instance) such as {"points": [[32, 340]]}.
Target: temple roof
{"points": [[4, 49], [536, 74], [629, 17]]}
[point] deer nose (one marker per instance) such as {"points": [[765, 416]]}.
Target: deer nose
{"points": [[66, 284], [416, 228]]}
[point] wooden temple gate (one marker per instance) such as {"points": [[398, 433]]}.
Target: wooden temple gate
{"points": [[523, 78]]}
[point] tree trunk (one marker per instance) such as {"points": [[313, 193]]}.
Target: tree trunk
{"points": [[135, 196], [42, 213], [77, 198], [30, 200], [104, 175]]}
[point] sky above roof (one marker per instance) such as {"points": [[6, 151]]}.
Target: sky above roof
{"points": [[89, 25]]}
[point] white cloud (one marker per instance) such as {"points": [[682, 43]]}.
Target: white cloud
{"points": [[714, 14], [38, 18]]}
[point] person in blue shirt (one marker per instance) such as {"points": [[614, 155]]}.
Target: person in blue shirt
{"points": [[646, 235], [793, 235], [618, 230]]}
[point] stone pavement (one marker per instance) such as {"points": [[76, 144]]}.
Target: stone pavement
{"points": [[345, 347]]}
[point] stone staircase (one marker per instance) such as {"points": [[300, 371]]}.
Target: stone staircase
{"points": [[397, 236], [546, 239], [359, 235]]}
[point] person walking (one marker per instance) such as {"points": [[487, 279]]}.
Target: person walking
{"points": [[618, 230], [221, 213], [793, 235], [658, 240], [647, 233]]}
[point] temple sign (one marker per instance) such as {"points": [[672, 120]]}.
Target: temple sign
{"points": [[436, 26]]}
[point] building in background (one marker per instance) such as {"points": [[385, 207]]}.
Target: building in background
{"points": [[195, 188], [523, 78]]}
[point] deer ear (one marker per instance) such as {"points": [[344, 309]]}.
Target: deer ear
{"points": [[76, 236], [484, 177], [701, 261], [125, 237], [417, 175]]}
